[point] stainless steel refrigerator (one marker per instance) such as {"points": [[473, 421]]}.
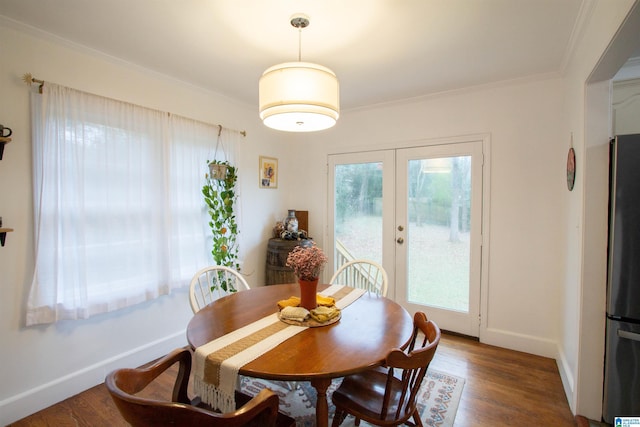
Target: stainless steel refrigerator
{"points": [[622, 357]]}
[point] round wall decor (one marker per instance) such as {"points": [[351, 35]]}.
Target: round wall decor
{"points": [[571, 168]]}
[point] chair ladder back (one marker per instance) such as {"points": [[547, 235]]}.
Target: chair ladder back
{"points": [[413, 384], [387, 393], [212, 283], [203, 290], [362, 274], [371, 278], [408, 382], [422, 333], [413, 369], [413, 362], [220, 282]]}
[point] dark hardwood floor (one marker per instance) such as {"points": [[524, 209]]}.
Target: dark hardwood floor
{"points": [[502, 388]]}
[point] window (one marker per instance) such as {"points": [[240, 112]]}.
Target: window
{"points": [[119, 217]]}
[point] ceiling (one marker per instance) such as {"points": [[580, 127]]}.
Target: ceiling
{"points": [[381, 50]]}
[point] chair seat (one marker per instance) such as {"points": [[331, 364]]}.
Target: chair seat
{"points": [[368, 402]]}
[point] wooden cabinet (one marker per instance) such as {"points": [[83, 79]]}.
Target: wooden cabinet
{"points": [[276, 269]]}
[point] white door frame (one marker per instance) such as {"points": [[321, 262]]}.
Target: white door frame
{"points": [[485, 221]]}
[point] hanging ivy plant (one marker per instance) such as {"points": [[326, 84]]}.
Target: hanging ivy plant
{"points": [[220, 196]]}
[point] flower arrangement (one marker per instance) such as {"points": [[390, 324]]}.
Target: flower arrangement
{"points": [[307, 261]]}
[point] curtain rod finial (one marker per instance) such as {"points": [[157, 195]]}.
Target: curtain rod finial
{"points": [[29, 79]]}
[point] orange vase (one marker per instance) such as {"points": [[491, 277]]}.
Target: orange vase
{"points": [[308, 289]]}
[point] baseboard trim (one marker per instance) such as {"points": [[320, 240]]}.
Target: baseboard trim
{"points": [[458, 334], [520, 342], [568, 381], [30, 401]]}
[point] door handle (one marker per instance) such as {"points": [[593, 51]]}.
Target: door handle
{"points": [[400, 240], [628, 335]]}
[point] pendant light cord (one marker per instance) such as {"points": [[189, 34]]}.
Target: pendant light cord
{"points": [[299, 44], [299, 21]]}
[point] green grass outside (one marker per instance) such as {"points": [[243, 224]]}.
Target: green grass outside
{"points": [[438, 268]]}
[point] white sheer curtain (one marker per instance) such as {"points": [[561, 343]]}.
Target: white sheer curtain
{"points": [[191, 236], [118, 208]]}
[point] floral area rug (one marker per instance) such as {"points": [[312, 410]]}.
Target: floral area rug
{"points": [[437, 401]]}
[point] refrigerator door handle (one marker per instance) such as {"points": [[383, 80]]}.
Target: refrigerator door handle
{"points": [[628, 335]]}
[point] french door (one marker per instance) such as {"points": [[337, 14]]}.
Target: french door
{"points": [[418, 212]]}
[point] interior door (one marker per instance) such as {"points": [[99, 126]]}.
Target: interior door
{"points": [[418, 212]]}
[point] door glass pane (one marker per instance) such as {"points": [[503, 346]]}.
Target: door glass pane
{"points": [[438, 233], [358, 212]]}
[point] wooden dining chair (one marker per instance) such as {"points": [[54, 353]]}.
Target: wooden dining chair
{"points": [[361, 273], [212, 283], [141, 410], [387, 397]]}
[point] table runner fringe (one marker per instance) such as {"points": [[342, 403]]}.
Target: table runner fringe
{"points": [[214, 396], [221, 396]]}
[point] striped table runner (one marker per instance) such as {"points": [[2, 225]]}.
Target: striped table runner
{"points": [[217, 362]]}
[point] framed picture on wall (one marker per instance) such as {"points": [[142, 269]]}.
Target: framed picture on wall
{"points": [[268, 172]]}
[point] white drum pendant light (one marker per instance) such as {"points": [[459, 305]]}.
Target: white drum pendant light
{"points": [[299, 96]]}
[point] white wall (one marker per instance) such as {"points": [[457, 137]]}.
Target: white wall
{"points": [[535, 296], [528, 185], [587, 115], [42, 365]]}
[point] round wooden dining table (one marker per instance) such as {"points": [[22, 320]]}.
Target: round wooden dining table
{"points": [[368, 329]]}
